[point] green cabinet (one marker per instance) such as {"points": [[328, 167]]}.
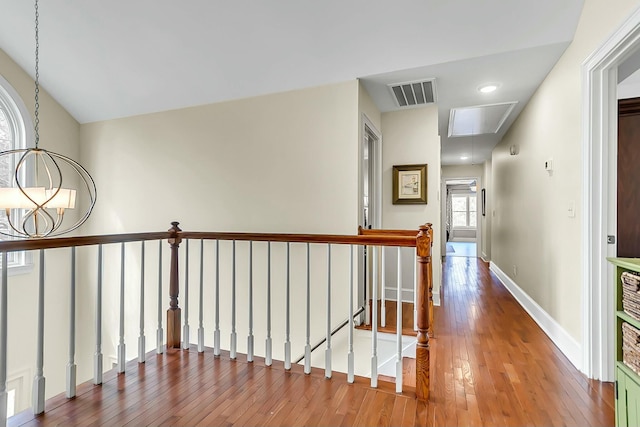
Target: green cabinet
{"points": [[627, 397], [627, 381]]}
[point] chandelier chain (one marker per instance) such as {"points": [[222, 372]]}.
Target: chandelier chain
{"points": [[37, 87]]}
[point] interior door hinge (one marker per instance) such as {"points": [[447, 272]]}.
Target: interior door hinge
{"points": [[615, 389]]}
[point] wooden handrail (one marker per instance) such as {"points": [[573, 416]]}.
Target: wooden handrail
{"points": [[67, 242], [385, 232], [377, 240]]}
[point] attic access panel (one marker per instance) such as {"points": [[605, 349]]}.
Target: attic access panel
{"points": [[478, 120]]}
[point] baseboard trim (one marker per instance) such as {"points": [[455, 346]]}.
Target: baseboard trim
{"points": [[560, 337], [436, 298]]}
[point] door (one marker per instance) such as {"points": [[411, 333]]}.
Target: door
{"points": [[628, 226]]}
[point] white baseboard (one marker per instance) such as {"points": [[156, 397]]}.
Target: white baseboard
{"points": [[436, 298], [561, 338]]}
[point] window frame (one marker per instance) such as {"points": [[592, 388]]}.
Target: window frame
{"points": [[467, 195], [21, 131]]}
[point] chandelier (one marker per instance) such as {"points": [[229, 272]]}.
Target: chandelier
{"points": [[36, 203]]}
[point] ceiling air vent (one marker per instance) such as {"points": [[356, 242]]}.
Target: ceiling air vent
{"points": [[411, 94]]}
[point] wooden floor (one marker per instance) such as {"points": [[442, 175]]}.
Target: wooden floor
{"points": [[390, 318], [491, 366]]}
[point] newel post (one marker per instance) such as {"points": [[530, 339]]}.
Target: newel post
{"points": [[423, 250], [430, 278], [174, 312]]}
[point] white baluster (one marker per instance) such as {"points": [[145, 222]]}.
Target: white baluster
{"points": [[71, 365], [250, 337], [4, 394], [122, 348], [201, 306], [159, 331], [383, 286], [374, 320], [268, 359], [307, 347], [367, 272], [232, 351], [97, 357], [287, 342], [327, 352], [185, 329], [142, 345], [39, 380], [216, 332], [350, 360], [399, 326]]}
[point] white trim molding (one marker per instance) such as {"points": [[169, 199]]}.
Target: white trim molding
{"points": [[436, 298], [599, 143], [560, 337]]}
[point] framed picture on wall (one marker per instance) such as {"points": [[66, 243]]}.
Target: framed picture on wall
{"points": [[484, 201], [409, 184]]}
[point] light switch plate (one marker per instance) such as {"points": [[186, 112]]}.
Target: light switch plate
{"points": [[571, 210]]}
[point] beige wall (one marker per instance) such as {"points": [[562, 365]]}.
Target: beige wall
{"points": [[411, 137], [531, 228], [283, 163], [59, 132], [286, 162], [368, 107]]}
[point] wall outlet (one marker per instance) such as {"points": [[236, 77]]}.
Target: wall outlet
{"points": [[548, 165], [571, 209]]}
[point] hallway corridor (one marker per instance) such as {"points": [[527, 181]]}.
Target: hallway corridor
{"points": [[495, 367]]}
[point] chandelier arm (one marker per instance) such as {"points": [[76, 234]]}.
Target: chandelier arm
{"points": [[89, 184], [36, 214], [12, 227], [58, 223], [46, 168]]}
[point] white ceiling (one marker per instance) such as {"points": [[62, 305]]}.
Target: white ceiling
{"points": [[109, 59]]}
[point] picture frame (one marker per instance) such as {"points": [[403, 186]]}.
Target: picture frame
{"points": [[409, 184], [484, 201]]}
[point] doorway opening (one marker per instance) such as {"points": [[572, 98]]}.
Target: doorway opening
{"points": [[370, 202], [462, 230]]}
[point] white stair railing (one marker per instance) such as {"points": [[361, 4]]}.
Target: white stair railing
{"points": [[293, 279]]}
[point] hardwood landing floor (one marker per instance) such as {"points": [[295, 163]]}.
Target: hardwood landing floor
{"points": [[491, 366]]}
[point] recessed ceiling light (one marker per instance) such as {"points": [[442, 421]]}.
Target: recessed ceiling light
{"points": [[464, 157], [488, 88]]}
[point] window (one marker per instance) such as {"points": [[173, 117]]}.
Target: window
{"points": [[464, 210], [13, 134]]}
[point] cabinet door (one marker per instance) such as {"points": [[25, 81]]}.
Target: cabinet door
{"points": [[633, 402], [621, 399], [628, 401]]}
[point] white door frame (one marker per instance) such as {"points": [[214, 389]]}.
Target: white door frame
{"points": [[376, 209], [599, 156], [443, 212]]}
